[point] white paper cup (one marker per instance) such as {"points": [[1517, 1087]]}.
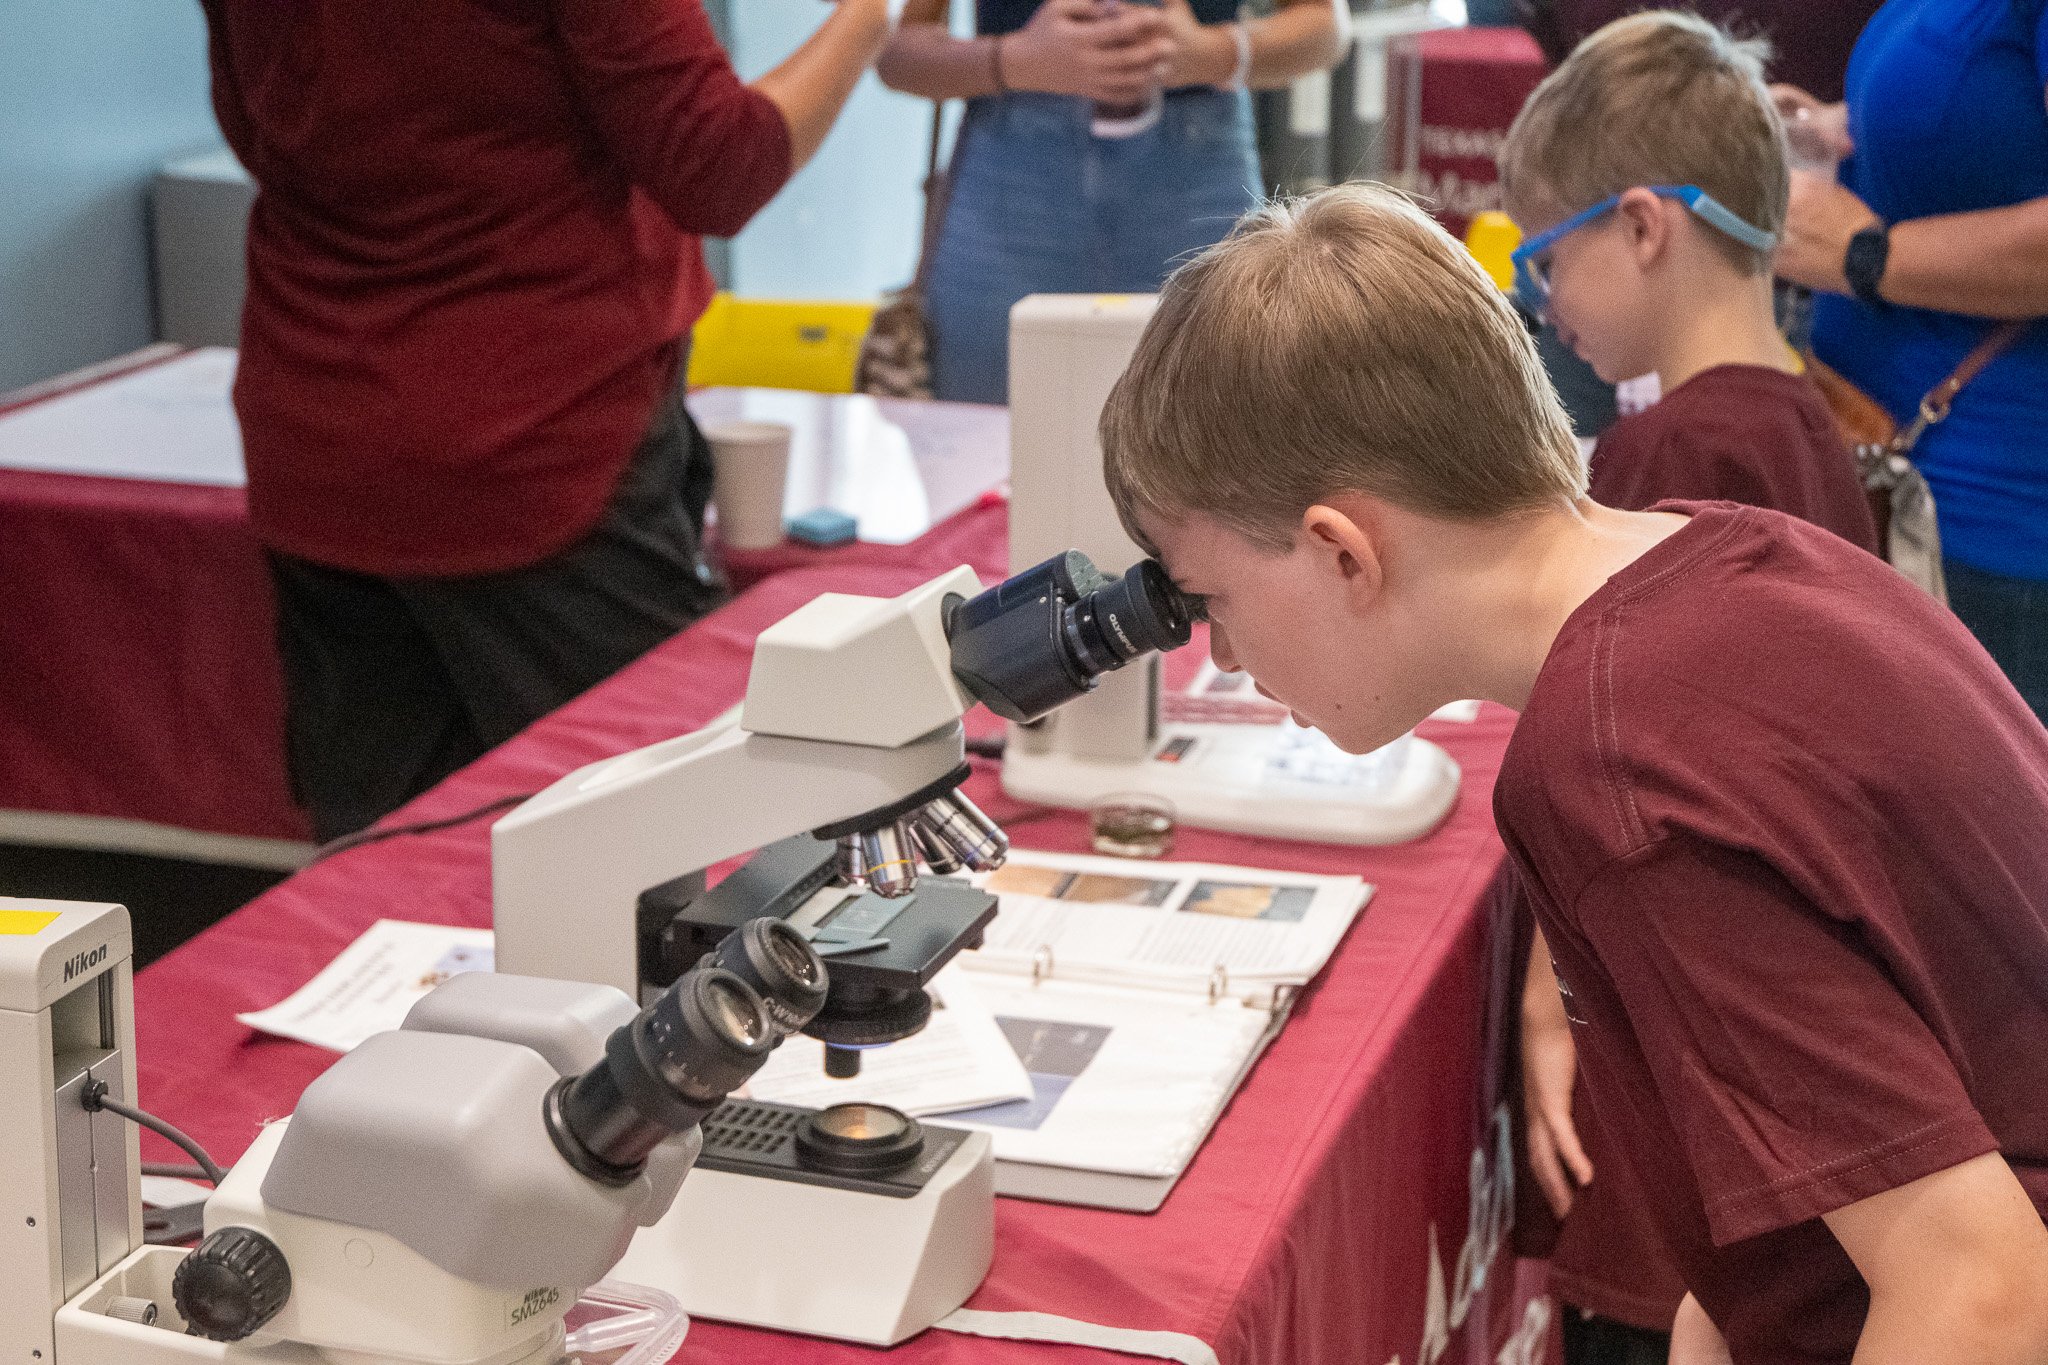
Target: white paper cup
{"points": [[751, 469]]}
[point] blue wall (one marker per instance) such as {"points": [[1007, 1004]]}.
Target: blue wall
{"points": [[846, 227], [94, 94]]}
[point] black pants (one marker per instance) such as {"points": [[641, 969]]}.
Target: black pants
{"points": [[393, 683], [1590, 1340], [2009, 617]]}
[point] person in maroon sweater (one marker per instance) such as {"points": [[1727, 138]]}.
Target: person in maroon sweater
{"points": [[1778, 813], [1655, 288], [473, 262]]}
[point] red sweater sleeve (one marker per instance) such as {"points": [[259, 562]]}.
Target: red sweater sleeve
{"points": [[667, 103]]}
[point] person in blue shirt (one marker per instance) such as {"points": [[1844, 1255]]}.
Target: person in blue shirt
{"points": [[1104, 142], [1936, 228]]}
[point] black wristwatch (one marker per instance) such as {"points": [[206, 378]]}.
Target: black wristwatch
{"points": [[1865, 260]]}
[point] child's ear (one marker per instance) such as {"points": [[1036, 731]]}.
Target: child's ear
{"points": [[1646, 224], [1345, 541]]}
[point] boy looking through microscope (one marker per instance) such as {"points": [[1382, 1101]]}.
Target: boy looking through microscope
{"points": [[1778, 814]]}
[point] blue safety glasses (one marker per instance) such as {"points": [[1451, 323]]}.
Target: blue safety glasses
{"points": [[1532, 265]]}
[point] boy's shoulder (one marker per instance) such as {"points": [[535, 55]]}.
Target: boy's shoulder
{"points": [[1737, 433], [1744, 649]]}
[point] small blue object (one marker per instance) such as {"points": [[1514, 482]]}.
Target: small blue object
{"points": [[821, 526]]}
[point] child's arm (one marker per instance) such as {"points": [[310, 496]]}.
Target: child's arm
{"points": [[1694, 1338], [1549, 1066], [1957, 1264]]}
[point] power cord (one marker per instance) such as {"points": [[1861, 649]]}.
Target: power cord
{"points": [[379, 833], [94, 1097]]}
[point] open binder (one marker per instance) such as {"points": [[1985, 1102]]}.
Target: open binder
{"points": [[1134, 997]]}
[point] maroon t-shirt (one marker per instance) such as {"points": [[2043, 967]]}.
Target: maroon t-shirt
{"points": [[1740, 433], [1782, 821], [472, 253], [1743, 433]]}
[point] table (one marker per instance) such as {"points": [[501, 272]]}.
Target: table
{"points": [[1348, 1207], [141, 706]]}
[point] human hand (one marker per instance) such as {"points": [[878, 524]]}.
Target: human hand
{"points": [[1202, 54], [1549, 1066], [1099, 49], [1819, 222], [1824, 127]]}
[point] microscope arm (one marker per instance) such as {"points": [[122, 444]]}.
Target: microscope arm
{"points": [[851, 707]]}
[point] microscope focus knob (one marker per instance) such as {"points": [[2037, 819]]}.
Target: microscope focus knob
{"points": [[232, 1283]]}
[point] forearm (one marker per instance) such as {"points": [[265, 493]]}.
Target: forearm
{"points": [[1297, 40], [812, 84], [1992, 263], [925, 59]]}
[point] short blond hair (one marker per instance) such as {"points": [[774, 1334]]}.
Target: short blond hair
{"points": [[1339, 342], [1658, 98]]}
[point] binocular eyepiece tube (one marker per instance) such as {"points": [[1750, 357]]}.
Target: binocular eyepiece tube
{"points": [[682, 1055], [1045, 636]]}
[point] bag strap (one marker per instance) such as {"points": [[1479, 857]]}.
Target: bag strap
{"points": [[938, 187], [1934, 407]]}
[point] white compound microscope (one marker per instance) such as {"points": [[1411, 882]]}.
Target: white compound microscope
{"points": [[842, 769]]}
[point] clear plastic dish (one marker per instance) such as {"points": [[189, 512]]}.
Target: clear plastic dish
{"points": [[615, 1323]]}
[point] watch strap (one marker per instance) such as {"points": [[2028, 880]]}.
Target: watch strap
{"points": [[1864, 262]]}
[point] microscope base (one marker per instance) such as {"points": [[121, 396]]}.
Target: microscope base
{"points": [[826, 1262], [1223, 776]]}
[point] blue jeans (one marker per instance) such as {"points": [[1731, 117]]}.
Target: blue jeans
{"points": [[1041, 206], [2009, 617]]}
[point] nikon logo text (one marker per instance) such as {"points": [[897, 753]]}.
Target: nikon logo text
{"points": [[85, 962], [536, 1302]]}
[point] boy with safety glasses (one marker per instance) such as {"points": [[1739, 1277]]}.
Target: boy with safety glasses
{"points": [[1780, 816], [1648, 174]]}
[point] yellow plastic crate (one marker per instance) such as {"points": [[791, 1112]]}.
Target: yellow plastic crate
{"points": [[779, 343]]}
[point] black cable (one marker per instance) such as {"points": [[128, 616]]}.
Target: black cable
{"points": [[378, 834], [95, 1099]]}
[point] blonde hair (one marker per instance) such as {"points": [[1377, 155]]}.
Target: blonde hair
{"points": [[1339, 342], [1658, 98]]}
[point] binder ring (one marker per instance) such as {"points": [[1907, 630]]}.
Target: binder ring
{"points": [[1219, 982], [1041, 963]]}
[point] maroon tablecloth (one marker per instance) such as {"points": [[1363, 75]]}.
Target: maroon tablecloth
{"points": [[1331, 1205], [138, 676]]}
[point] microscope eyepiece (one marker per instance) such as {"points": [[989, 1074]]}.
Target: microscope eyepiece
{"points": [[784, 970], [675, 1063], [1045, 636]]}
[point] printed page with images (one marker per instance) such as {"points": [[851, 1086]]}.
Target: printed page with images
{"points": [[1182, 926], [959, 1060]]}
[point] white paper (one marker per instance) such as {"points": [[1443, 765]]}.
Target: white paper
{"points": [[168, 1192], [1124, 1081], [369, 988], [960, 1059], [1186, 926], [172, 422]]}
